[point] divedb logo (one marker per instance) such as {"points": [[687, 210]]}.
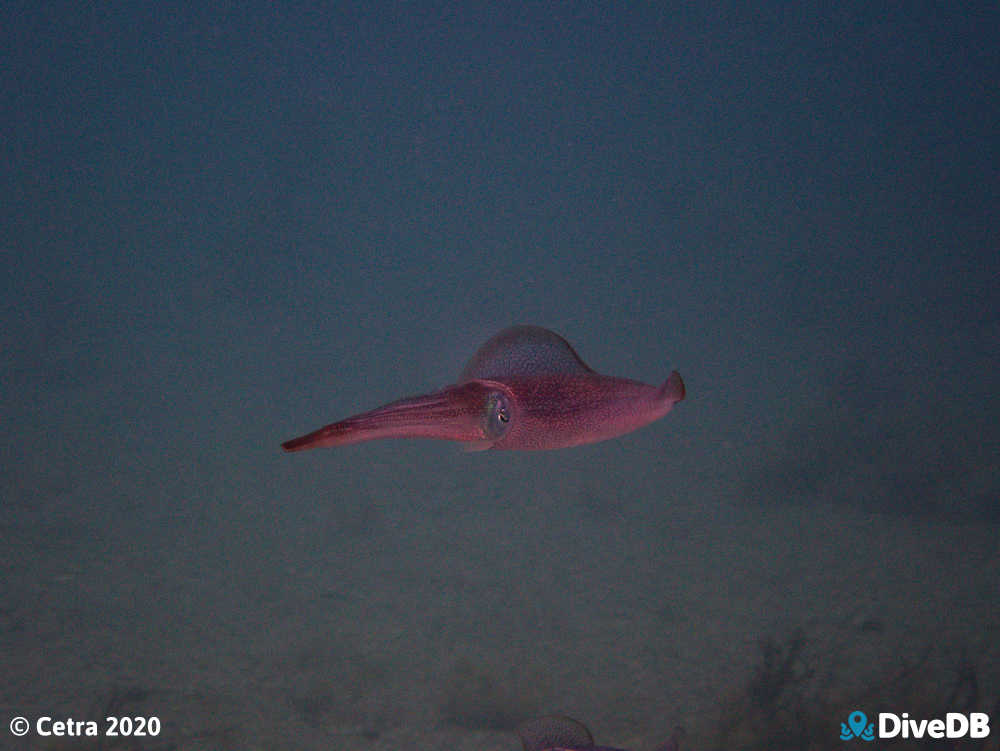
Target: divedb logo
{"points": [[954, 725]]}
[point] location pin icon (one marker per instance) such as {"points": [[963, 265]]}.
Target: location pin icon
{"points": [[857, 721]]}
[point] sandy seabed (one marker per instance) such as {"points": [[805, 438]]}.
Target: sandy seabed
{"points": [[437, 611]]}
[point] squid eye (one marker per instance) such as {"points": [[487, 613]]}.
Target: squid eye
{"points": [[497, 415]]}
